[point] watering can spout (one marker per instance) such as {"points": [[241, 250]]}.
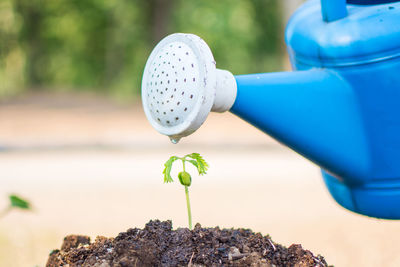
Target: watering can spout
{"points": [[314, 112]]}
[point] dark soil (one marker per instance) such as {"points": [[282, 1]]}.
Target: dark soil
{"points": [[158, 245]]}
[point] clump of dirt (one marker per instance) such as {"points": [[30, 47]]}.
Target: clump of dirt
{"points": [[158, 245]]}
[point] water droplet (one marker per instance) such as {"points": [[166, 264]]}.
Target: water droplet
{"points": [[175, 140]]}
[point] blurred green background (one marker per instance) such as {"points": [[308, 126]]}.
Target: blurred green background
{"points": [[102, 45]]}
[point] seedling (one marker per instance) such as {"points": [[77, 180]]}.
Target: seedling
{"points": [[184, 177], [15, 203]]}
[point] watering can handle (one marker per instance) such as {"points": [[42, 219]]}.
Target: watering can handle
{"points": [[333, 9]]}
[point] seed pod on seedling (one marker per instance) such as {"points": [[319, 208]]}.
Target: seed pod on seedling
{"points": [[185, 178]]}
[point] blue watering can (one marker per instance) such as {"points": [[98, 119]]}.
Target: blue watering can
{"points": [[340, 108]]}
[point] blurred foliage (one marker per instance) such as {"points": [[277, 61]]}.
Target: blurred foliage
{"points": [[103, 45], [15, 202], [18, 202]]}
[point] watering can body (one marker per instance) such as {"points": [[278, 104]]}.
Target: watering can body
{"points": [[340, 108]]}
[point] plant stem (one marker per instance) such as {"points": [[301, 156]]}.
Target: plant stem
{"points": [[5, 211], [188, 207]]}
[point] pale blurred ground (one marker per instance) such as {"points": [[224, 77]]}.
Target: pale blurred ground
{"points": [[91, 166]]}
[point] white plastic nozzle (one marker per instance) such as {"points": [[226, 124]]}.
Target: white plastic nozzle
{"points": [[181, 85], [225, 93]]}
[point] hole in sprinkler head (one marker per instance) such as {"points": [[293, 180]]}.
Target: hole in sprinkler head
{"points": [[187, 53], [174, 89], [164, 112], [192, 65], [191, 96], [184, 80], [178, 103], [177, 118], [172, 96], [159, 119], [183, 68], [172, 110], [183, 93], [168, 122], [185, 109], [194, 79]]}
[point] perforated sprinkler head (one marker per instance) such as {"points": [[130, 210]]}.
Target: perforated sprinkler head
{"points": [[181, 85]]}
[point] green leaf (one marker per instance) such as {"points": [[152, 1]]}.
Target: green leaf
{"points": [[198, 162], [17, 202], [167, 169], [193, 162]]}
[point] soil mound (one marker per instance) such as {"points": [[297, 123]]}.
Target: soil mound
{"points": [[158, 245]]}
